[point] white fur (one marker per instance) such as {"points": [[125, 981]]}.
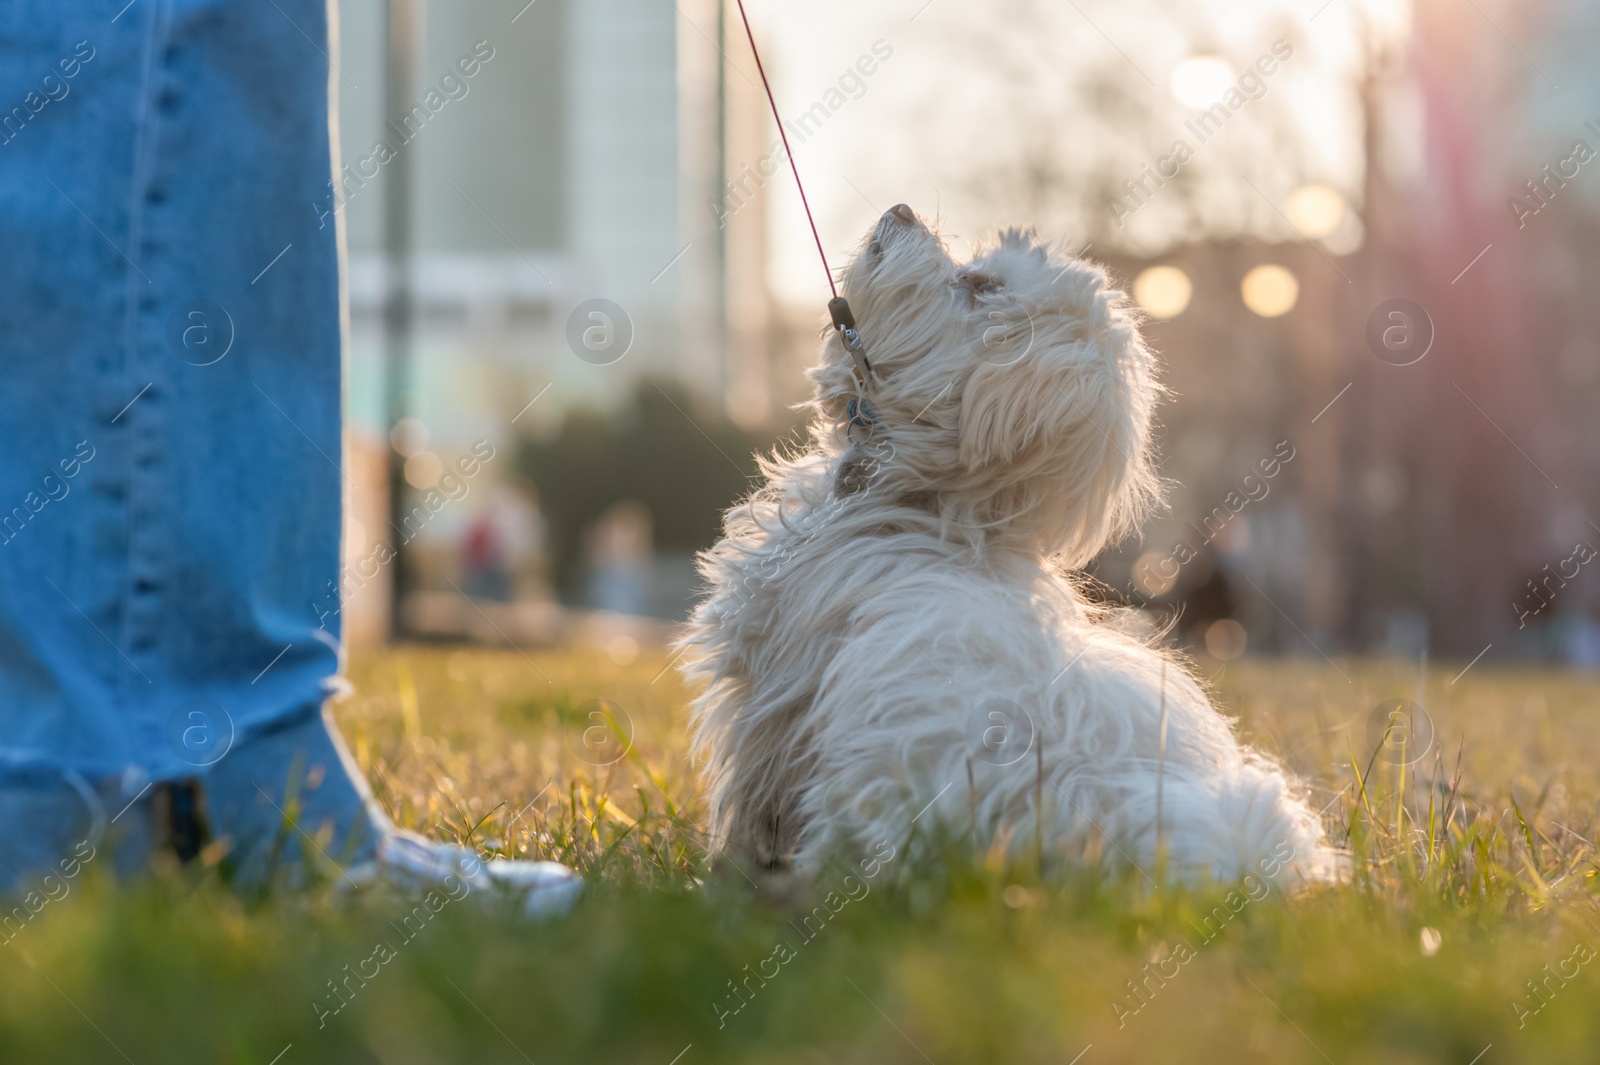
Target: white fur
{"points": [[873, 600]]}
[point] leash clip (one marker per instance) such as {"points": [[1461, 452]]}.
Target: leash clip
{"points": [[845, 323]]}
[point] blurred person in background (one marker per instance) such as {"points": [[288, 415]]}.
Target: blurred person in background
{"points": [[621, 559], [502, 550], [483, 560], [1578, 637]]}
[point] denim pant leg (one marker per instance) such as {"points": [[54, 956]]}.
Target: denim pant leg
{"points": [[170, 473]]}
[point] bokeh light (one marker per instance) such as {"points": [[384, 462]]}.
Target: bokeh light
{"points": [[423, 470], [622, 648], [1200, 80], [1148, 576], [1270, 290], [1163, 291], [1315, 210], [1225, 639], [408, 436]]}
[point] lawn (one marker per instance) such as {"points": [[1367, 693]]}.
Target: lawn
{"points": [[1464, 935]]}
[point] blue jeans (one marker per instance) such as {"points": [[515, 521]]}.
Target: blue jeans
{"points": [[170, 479]]}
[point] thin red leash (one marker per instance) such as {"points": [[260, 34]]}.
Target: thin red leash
{"points": [[786, 150]]}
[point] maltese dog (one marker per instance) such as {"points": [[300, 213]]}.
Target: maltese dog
{"points": [[893, 647]]}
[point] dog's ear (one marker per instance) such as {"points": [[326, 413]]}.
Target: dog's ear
{"points": [[1064, 394]]}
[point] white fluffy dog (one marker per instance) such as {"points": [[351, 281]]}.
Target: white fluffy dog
{"points": [[891, 639]]}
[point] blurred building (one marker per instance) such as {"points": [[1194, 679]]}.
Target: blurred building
{"points": [[559, 152]]}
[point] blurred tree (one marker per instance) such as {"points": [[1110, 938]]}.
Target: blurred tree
{"points": [[659, 450], [1071, 109]]}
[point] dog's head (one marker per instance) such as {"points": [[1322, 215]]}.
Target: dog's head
{"points": [[1013, 389]]}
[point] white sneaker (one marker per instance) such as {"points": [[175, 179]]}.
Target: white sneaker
{"points": [[539, 889], [246, 794]]}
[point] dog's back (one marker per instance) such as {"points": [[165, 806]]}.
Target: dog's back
{"points": [[889, 642]]}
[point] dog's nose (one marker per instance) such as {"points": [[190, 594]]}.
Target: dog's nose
{"points": [[904, 213]]}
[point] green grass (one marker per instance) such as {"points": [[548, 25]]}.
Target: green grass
{"points": [[1476, 852]]}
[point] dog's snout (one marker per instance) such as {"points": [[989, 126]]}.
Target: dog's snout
{"points": [[904, 213]]}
